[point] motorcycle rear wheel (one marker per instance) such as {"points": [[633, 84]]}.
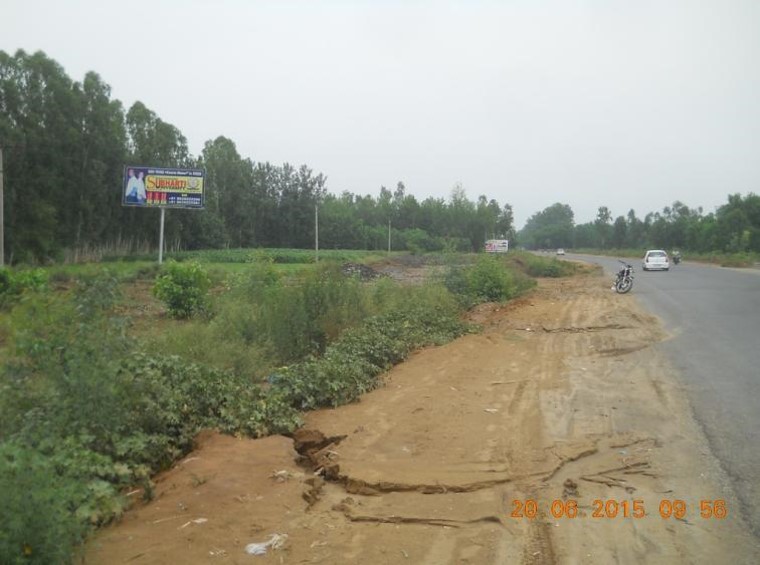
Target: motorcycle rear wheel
{"points": [[623, 285]]}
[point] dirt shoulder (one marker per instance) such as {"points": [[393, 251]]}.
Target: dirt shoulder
{"points": [[564, 396]]}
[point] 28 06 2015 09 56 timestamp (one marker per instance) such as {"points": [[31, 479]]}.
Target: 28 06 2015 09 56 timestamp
{"points": [[601, 508]]}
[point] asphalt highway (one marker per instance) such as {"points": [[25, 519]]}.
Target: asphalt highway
{"points": [[714, 316]]}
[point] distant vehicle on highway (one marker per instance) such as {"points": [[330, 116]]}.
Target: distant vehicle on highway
{"points": [[560, 251], [655, 260]]}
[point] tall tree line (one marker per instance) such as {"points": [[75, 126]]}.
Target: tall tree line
{"points": [[66, 144], [733, 227]]}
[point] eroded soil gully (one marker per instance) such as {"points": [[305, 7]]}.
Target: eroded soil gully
{"points": [[318, 456]]}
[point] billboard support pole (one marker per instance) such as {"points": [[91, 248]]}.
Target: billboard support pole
{"points": [[161, 238]]}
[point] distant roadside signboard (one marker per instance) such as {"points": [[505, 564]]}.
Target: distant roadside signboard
{"points": [[161, 187], [497, 246]]}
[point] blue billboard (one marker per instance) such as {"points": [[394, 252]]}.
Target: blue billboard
{"points": [[162, 187]]}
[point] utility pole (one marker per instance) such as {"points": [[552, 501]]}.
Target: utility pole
{"points": [[316, 232], [389, 236], [2, 212]]}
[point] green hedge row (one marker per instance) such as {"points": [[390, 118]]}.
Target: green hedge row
{"points": [[350, 366]]}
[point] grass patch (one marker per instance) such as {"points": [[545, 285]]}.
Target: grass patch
{"points": [[734, 260], [539, 266], [284, 256], [125, 271]]}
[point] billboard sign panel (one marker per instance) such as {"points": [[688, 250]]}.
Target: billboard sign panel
{"points": [[162, 187], [497, 246]]}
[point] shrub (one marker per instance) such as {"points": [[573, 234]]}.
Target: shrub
{"points": [[737, 260], [34, 279], [487, 281], [456, 281], [180, 398], [490, 281], [38, 524], [183, 287], [291, 320], [14, 283], [537, 266], [350, 365], [94, 416]]}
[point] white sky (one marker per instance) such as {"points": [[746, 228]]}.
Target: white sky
{"points": [[629, 104]]}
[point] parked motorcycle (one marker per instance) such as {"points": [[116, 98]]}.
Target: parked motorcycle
{"points": [[624, 278]]}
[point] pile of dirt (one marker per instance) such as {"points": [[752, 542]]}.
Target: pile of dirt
{"points": [[409, 269], [414, 261], [363, 272]]}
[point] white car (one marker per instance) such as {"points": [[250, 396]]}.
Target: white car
{"points": [[656, 260], [560, 251]]}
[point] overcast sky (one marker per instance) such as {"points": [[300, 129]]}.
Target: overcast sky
{"points": [[626, 104]]}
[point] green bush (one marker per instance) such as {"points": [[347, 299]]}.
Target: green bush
{"points": [[489, 280], [538, 266], [83, 444], [290, 320], [350, 366], [94, 416], [14, 283], [183, 287], [35, 279], [181, 398], [39, 525], [458, 283]]}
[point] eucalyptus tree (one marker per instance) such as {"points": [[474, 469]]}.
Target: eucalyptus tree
{"points": [[551, 227], [602, 223], [67, 139]]}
